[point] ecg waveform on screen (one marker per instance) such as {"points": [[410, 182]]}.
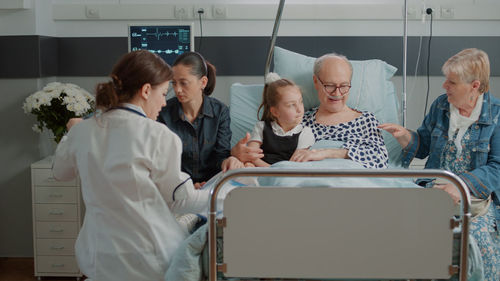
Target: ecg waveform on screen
{"points": [[166, 41]]}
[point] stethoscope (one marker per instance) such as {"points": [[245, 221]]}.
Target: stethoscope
{"points": [[128, 109]]}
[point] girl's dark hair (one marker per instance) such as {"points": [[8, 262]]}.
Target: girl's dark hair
{"points": [[199, 68], [128, 76], [270, 97]]}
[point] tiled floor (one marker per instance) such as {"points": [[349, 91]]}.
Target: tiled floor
{"points": [[21, 269]]}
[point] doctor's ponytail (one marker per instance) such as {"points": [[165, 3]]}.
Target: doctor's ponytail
{"points": [[129, 74]]}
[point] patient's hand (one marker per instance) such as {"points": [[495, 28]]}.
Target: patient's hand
{"points": [[249, 165], [72, 122], [231, 163], [304, 155], [245, 153]]}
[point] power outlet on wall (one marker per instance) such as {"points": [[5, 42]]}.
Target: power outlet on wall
{"points": [[203, 10], [219, 12], [182, 11], [92, 12]]}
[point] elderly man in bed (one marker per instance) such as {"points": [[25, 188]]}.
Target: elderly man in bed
{"points": [[332, 120]]}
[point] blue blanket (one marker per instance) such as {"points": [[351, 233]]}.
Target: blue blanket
{"points": [[334, 164]]}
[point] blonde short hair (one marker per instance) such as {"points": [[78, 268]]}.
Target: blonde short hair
{"points": [[470, 64]]}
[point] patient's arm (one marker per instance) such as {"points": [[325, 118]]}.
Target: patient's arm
{"points": [[304, 155], [257, 162], [245, 153]]}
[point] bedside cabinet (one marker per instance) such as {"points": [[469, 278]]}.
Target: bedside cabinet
{"points": [[57, 217]]}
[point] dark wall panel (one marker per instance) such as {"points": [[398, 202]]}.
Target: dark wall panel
{"points": [[38, 56], [90, 56], [19, 56], [49, 53]]}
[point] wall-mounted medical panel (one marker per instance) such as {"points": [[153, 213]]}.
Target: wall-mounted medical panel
{"points": [[444, 10]]}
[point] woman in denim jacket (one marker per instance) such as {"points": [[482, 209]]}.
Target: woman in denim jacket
{"points": [[461, 134]]}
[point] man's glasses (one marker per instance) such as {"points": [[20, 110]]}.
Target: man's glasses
{"points": [[330, 88]]}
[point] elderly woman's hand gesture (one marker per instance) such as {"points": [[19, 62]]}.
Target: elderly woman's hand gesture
{"points": [[402, 135]]}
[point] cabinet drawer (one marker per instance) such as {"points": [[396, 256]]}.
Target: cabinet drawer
{"points": [[56, 212], [56, 229], [66, 264], [45, 177], [55, 247], [55, 195]]}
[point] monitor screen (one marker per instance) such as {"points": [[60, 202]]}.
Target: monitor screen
{"points": [[167, 41]]}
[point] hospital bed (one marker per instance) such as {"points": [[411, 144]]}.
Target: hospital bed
{"points": [[296, 228], [335, 233], [313, 232], [288, 225]]}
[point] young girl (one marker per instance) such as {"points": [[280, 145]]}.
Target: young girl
{"points": [[280, 132]]}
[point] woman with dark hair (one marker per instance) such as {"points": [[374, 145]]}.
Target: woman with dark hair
{"points": [[202, 122], [129, 166]]}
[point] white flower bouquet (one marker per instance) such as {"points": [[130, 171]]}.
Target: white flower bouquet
{"points": [[55, 104]]}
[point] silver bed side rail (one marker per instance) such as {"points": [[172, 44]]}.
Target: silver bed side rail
{"points": [[259, 172], [270, 51]]}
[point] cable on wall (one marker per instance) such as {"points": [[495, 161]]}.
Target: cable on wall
{"points": [[429, 12], [410, 93]]}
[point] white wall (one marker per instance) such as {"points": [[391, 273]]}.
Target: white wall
{"points": [[20, 146]]}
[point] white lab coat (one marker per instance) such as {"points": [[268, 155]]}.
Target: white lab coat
{"points": [[130, 168]]}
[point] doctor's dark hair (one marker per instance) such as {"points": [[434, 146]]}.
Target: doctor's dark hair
{"points": [[128, 76], [199, 68], [271, 97]]}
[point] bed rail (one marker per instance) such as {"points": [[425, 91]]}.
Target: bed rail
{"points": [[270, 51], [428, 173]]}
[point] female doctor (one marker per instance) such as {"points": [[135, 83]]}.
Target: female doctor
{"points": [[129, 166]]}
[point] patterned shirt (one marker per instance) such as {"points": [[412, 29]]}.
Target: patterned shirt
{"points": [[362, 139], [454, 162]]}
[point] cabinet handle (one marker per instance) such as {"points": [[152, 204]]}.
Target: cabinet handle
{"points": [[58, 265], [56, 212], [51, 179], [56, 229], [55, 195], [57, 247]]}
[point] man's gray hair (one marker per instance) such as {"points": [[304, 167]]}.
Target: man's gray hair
{"points": [[318, 63]]}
